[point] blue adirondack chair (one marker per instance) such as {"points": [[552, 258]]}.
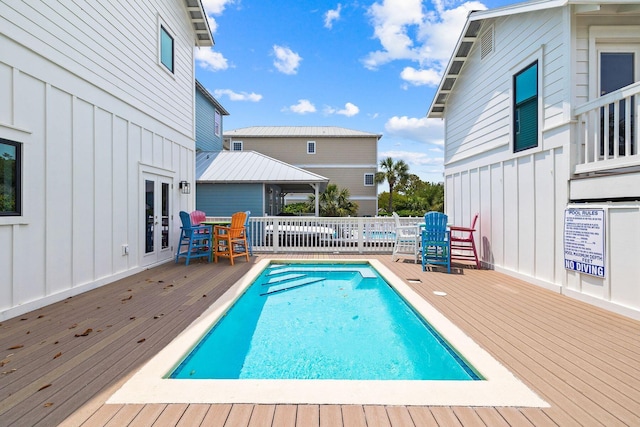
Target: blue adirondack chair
{"points": [[436, 243], [195, 240]]}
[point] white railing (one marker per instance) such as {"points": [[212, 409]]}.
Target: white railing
{"points": [[320, 234], [614, 145]]}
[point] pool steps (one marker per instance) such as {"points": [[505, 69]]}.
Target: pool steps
{"points": [[364, 271], [285, 277], [292, 285]]}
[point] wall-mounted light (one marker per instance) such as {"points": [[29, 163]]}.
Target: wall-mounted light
{"points": [[185, 187]]}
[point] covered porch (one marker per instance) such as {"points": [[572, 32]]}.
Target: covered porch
{"points": [[62, 362]]}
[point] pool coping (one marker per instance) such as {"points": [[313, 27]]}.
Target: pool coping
{"points": [[499, 387]]}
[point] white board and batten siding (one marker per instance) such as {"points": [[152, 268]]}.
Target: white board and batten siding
{"points": [[521, 197], [93, 110], [515, 194]]}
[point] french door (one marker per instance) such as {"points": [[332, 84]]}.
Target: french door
{"points": [[156, 221]]}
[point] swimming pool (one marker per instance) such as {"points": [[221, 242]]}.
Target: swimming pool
{"points": [[319, 321], [498, 388]]}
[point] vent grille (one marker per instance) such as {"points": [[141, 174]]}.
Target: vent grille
{"points": [[486, 43]]}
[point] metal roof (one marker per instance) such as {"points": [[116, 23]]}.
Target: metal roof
{"points": [[473, 26], [199, 22], [218, 167], [299, 131]]}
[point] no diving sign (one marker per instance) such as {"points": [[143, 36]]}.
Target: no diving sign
{"points": [[584, 241]]}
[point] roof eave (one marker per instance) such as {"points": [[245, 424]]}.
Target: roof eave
{"points": [[438, 104], [200, 23], [210, 97]]}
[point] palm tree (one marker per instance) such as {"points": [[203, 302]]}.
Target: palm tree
{"points": [[394, 173], [335, 202]]}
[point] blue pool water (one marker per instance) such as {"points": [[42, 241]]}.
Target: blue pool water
{"points": [[322, 321]]}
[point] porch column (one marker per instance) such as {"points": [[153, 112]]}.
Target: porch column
{"points": [[317, 198]]}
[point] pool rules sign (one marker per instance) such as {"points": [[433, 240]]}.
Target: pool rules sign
{"points": [[584, 241]]}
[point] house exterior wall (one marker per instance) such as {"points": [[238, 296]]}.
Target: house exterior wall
{"points": [[226, 199], [356, 157], [84, 94], [206, 138], [521, 197]]}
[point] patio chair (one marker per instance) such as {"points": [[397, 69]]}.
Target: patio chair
{"points": [[197, 217], [406, 241], [436, 245], [463, 245], [231, 240], [195, 240]]}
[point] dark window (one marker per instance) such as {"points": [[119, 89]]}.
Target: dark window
{"points": [[525, 108], [368, 179], [166, 49], [311, 147], [10, 178], [616, 71]]}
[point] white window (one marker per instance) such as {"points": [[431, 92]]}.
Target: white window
{"points": [[166, 48], [368, 179], [236, 145], [217, 123], [311, 147]]}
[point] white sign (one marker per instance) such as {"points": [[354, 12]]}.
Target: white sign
{"points": [[584, 241]]}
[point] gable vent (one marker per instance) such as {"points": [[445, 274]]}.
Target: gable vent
{"points": [[486, 43]]}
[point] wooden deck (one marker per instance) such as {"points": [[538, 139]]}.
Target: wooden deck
{"points": [[60, 364]]}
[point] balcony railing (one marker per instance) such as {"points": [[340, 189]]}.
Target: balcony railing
{"points": [[607, 131], [282, 234]]}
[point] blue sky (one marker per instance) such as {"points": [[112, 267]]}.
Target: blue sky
{"points": [[372, 66]]}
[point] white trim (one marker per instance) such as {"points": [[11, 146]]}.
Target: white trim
{"points": [[11, 127], [622, 34], [162, 24], [537, 55], [373, 179], [311, 144], [337, 166], [232, 145]]}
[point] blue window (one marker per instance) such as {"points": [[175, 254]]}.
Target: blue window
{"points": [[10, 178], [525, 111], [166, 48]]}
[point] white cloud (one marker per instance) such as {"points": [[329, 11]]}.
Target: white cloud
{"points": [[215, 7], [349, 110], [391, 21], [332, 15], [237, 96], [430, 131], [209, 60], [287, 61], [303, 106], [420, 77], [412, 158], [407, 30]]}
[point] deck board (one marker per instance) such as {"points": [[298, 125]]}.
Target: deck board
{"points": [[583, 360]]}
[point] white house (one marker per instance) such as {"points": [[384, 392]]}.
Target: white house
{"points": [[525, 99], [97, 130]]}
